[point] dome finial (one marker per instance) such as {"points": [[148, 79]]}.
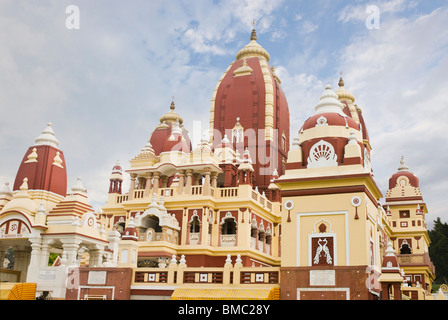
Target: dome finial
{"points": [[341, 81], [253, 36], [403, 166], [172, 106]]}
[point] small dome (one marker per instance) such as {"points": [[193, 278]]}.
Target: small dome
{"points": [[330, 119], [329, 102], [117, 172], [169, 135], [253, 49], [79, 187], [130, 233], [5, 190], [344, 94], [47, 137], [403, 171], [171, 116]]}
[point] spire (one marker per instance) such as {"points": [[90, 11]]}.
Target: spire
{"points": [[403, 166], [344, 94], [171, 116], [253, 36], [47, 137], [328, 102], [253, 49]]}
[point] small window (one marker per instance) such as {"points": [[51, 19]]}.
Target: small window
{"points": [[194, 228], [404, 214], [229, 226]]}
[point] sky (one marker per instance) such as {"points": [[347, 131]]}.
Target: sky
{"points": [[104, 80]]}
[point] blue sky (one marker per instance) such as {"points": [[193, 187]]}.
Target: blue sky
{"points": [[105, 85]]}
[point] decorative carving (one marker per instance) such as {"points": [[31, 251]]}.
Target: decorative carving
{"points": [[322, 155], [322, 121], [323, 250]]}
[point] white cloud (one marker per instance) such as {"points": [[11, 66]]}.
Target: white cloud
{"points": [[358, 12], [398, 74]]}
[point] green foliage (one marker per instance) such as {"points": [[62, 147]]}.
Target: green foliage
{"points": [[438, 250], [52, 258]]}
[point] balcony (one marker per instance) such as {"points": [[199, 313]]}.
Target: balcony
{"points": [[414, 260], [199, 191]]}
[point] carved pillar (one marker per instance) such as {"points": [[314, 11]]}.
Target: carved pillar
{"points": [[156, 183], [164, 180], [148, 185], [214, 180], [180, 188], [132, 186], [34, 265], [189, 181], [206, 186]]}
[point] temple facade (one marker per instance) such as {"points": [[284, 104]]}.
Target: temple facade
{"points": [[241, 215]]}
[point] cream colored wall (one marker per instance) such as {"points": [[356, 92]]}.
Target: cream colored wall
{"points": [[352, 236]]}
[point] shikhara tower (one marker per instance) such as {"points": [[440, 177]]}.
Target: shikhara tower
{"points": [[240, 215], [249, 107]]}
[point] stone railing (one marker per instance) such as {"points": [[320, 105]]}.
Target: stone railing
{"points": [[243, 191], [407, 260], [179, 273]]}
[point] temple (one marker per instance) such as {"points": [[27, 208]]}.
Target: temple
{"points": [[240, 215]]}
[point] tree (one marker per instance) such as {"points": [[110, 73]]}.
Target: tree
{"points": [[438, 250]]}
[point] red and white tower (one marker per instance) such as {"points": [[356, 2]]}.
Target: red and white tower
{"points": [[249, 106]]}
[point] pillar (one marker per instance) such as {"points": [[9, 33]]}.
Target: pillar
{"points": [[34, 266], [189, 181], [132, 186], [180, 188], [206, 186], [156, 183], [148, 185], [214, 180]]}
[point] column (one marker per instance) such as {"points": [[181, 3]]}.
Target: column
{"points": [[214, 180], [33, 268], [71, 251], [180, 188], [189, 181], [132, 186], [148, 185], [206, 186], [45, 254], [156, 183]]}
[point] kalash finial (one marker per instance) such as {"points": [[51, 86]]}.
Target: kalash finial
{"points": [[341, 81], [253, 36], [172, 106]]}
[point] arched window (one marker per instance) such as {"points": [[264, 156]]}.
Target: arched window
{"points": [[229, 226], [405, 248], [194, 227]]}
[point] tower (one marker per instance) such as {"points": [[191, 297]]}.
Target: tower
{"points": [[44, 167], [250, 108], [331, 218], [406, 212]]}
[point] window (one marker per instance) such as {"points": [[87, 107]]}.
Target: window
{"points": [[229, 226], [404, 214], [194, 228]]}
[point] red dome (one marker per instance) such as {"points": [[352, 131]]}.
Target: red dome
{"points": [[403, 171], [170, 135], [163, 139], [331, 119], [413, 180], [44, 166]]}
